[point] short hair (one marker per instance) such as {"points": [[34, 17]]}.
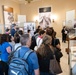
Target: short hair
{"points": [[41, 32], [28, 31], [7, 30], [24, 38], [9, 38], [13, 25], [38, 27], [20, 32], [16, 38], [4, 38]]}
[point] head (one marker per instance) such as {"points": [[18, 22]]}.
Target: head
{"points": [[10, 38], [64, 27], [44, 50], [8, 30], [42, 33], [39, 27], [54, 34], [29, 31], [25, 40], [47, 40], [14, 26], [16, 38], [4, 38], [20, 32]]}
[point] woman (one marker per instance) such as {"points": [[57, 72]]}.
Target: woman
{"points": [[17, 41], [45, 54], [56, 44], [5, 51], [11, 41]]}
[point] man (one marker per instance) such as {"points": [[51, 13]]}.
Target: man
{"points": [[32, 59], [13, 30], [64, 34]]}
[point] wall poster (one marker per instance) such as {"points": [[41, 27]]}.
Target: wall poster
{"points": [[45, 17], [30, 26], [8, 16], [70, 21]]}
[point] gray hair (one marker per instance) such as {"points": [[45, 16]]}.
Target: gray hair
{"points": [[24, 38]]}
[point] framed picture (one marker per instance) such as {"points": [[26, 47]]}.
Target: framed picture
{"points": [[8, 16], [30, 26], [70, 22], [45, 17]]}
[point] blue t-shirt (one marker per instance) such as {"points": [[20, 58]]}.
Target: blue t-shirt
{"points": [[32, 60], [4, 53]]}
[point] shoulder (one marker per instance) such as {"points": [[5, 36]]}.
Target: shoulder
{"points": [[6, 43], [33, 54]]}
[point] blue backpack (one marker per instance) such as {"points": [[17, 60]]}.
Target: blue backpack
{"points": [[19, 66]]}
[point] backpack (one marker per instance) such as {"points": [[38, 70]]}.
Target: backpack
{"points": [[19, 66], [12, 54]]}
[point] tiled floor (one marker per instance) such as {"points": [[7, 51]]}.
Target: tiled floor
{"points": [[64, 60]]}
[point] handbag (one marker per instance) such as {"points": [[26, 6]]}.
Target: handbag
{"points": [[58, 53], [55, 67]]}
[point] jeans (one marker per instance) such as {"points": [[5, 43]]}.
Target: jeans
{"points": [[3, 68], [1, 73]]}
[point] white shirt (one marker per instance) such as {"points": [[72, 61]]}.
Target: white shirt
{"points": [[39, 41], [17, 45]]}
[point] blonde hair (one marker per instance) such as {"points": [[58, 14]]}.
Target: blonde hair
{"points": [[47, 40], [45, 50]]}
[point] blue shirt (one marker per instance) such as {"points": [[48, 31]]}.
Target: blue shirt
{"points": [[32, 60], [4, 53], [13, 32]]}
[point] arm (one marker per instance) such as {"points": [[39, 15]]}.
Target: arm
{"points": [[36, 72], [58, 46], [57, 43], [34, 62], [8, 49]]}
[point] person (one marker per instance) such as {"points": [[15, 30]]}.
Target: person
{"points": [[49, 31], [13, 30], [32, 60], [38, 29], [75, 25], [40, 38], [20, 32], [5, 51], [29, 32], [11, 41], [17, 41], [45, 54], [64, 34], [56, 44], [7, 31]]}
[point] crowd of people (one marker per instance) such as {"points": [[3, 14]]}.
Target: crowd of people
{"points": [[45, 46]]}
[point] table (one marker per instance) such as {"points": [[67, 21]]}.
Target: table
{"points": [[72, 58]]}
